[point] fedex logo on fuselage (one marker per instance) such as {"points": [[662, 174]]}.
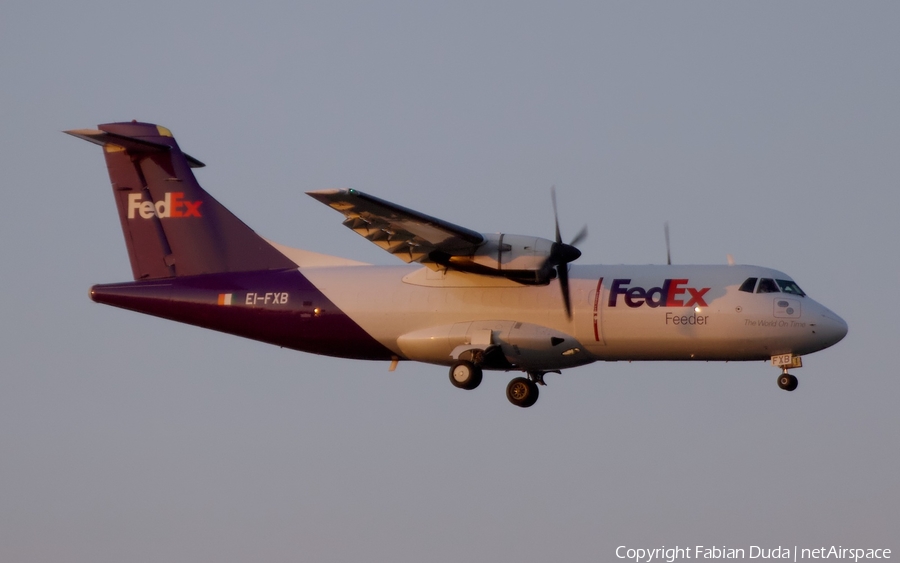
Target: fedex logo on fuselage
{"points": [[672, 293], [172, 205]]}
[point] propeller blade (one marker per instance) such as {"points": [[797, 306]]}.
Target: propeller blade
{"points": [[555, 215], [561, 254], [582, 234], [563, 271]]}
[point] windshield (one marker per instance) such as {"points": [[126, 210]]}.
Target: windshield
{"points": [[767, 285], [748, 285], [788, 286]]}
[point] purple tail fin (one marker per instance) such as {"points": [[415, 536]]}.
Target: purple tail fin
{"points": [[172, 226]]}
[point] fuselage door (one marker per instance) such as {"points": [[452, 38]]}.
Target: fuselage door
{"points": [[588, 312]]}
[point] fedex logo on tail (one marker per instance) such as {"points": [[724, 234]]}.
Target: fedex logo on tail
{"points": [[672, 293], [172, 205]]}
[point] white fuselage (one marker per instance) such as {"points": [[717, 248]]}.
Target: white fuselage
{"points": [[618, 313]]}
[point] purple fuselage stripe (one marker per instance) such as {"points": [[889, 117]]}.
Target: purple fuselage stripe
{"points": [[279, 307]]}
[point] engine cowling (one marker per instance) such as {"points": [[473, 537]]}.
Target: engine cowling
{"points": [[522, 258]]}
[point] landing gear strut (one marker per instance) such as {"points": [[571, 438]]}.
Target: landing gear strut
{"points": [[787, 381]]}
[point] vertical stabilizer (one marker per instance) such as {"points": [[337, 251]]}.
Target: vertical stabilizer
{"points": [[172, 226]]}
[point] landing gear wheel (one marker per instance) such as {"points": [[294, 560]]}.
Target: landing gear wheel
{"points": [[522, 392], [465, 375], [787, 382]]}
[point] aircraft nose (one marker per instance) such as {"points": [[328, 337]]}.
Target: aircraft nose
{"points": [[832, 328]]}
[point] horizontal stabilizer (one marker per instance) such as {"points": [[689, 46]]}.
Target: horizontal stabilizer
{"points": [[130, 144]]}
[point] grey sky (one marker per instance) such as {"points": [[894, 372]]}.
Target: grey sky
{"points": [[766, 130]]}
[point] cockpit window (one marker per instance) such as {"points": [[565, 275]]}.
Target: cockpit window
{"points": [[767, 285], [748, 285], [790, 287]]}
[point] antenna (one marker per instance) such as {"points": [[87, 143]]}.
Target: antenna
{"points": [[668, 250]]}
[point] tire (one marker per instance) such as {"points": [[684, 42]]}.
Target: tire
{"points": [[465, 375], [793, 384], [787, 382], [522, 392]]}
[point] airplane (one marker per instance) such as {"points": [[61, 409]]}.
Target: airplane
{"points": [[463, 299]]}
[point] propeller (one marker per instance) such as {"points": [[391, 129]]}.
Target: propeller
{"points": [[560, 256]]}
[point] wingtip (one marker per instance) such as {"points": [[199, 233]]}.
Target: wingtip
{"points": [[330, 191], [82, 131], [328, 195]]}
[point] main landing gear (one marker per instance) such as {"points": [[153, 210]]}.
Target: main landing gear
{"points": [[521, 391], [465, 375]]}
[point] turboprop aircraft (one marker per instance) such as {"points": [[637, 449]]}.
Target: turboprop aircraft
{"points": [[464, 299]]}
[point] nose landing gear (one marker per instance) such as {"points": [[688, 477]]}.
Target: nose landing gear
{"points": [[787, 381]]}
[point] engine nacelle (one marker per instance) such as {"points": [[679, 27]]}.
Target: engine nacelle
{"points": [[518, 257]]}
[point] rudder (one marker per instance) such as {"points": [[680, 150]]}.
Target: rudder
{"points": [[172, 226]]}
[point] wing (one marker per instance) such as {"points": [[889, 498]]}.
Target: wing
{"points": [[407, 234]]}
